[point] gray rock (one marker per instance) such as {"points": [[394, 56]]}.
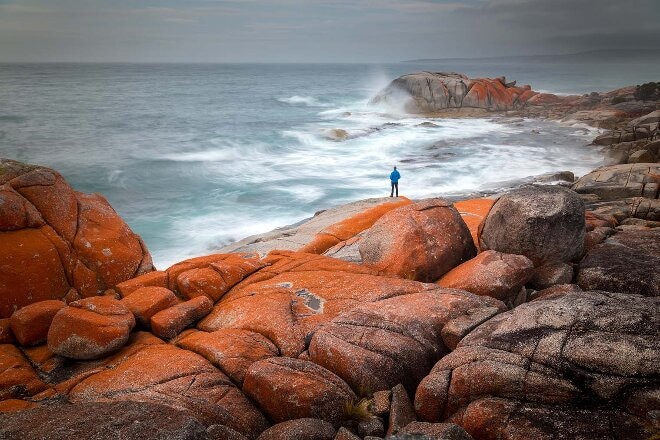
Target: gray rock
{"points": [[552, 274], [573, 365], [222, 432], [402, 412], [345, 434], [373, 426], [433, 431], [101, 421], [296, 236], [300, 429], [641, 156], [544, 223], [618, 181], [627, 262]]}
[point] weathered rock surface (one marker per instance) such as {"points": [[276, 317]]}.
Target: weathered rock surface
{"points": [[340, 221], [432, 92], [402, 412], [90, 328], [621, 181], [288, 300], [378, 345], [300, 429], [53, 238], [572, 365], [492, 274], [31, 323], [421, 241], [434, 431], [544, 223], [170, 322], [102, 421], [626, 262], [147, 301], [230, 350], [473, 212], [287, 389]]}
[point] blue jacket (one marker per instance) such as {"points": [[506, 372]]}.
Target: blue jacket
{"points": [[395, 176]]}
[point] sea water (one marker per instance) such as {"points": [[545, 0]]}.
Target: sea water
{"points": [[194, 157]]}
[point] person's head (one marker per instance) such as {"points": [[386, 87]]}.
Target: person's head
{"points": [[395, 168]]}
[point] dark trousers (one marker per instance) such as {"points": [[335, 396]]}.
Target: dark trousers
{"points": [[395, 185]]}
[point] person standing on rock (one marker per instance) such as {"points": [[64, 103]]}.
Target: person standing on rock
{"points": [[394, 178]]}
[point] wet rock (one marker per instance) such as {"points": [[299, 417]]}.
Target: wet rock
{"points": [[300, 429], [78, 239], [397, 340], [544, 223], [31, 323], [434, 431], [627, 262], [420, 241], [287, 389], [431, 92], [90, 328], [170, 322], [492, 274], [556, 365], [101, 421]]}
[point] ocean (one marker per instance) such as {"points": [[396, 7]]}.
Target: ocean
{"points": [[194, 157]]}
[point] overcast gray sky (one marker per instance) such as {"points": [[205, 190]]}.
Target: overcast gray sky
{"points": [[318, 30]]}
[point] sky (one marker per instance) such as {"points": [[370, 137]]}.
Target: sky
{"points": [[318, 30]]}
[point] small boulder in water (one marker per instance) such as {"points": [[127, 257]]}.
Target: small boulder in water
{"points": [[427, 125], [336, 134]]}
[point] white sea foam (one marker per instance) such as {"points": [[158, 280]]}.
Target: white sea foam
{"points": [[308, 101]]}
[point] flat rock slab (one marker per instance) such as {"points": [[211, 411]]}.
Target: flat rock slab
{"points": [[555, 364], [102, 421], [297, 236], [620, 181], [627, 262]]}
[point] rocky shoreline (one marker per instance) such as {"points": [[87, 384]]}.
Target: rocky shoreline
{"points": [[530, 314]]}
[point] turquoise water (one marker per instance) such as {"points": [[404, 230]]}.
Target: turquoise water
{"points": [[197, 156]]}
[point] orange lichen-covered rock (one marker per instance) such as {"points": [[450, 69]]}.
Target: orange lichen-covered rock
{"points": [[147, 301], [157, 278], [491, 273], [350, 227], [13, 405], [90, 328], [17, 377], [6, 336], [148, 370], [231, 350], [211, 275], [53, 238], [30, 270], [287, 389], [299, 292], [421, 241], [473, 212], [378, 345], [170, 322], [31, 323]]}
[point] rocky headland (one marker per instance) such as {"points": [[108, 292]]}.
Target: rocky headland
{"points": [[531, 314]]}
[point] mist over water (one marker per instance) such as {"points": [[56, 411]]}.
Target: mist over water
{"points": [[197, 156]]}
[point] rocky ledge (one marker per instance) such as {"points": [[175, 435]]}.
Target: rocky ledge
{"points": [[533, 314], [530, 314]]}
